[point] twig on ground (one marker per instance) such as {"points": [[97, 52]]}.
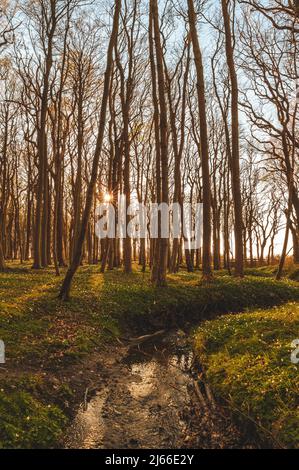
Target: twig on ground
{"points": [[85, 406], [199, 394]]}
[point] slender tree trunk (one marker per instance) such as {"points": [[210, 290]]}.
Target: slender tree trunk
{"points": [[235, 151], [41, 219], [2, 260], [206, 249], [286, 240], [78, 182], [295, 237], [155, 243], [65, 288], [4, 191], [160, 275]]}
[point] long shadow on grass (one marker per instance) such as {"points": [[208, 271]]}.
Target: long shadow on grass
{"points": [[138, 305]]}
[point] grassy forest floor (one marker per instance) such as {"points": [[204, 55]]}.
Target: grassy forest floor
{"points": [[49, 344]]}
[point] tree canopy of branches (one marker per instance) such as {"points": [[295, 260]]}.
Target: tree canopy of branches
{"points": [[167, 102]]}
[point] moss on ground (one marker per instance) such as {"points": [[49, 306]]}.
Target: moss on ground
{"points": [[290, 271], [247, 363], [43, 334], [294, 273], [27, 420]]}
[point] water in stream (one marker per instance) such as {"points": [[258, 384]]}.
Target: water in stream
{"points": [[141, 405], [147, 401]]}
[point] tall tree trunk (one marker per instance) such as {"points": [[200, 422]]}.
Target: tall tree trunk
{"points": [[295, 237], [155, 243], [2, 260], [206, 195], [178, 148], [78, 182], [65, 288], [286, 239], [41, 219], [159, 275], [3, 200], [235, 151]]}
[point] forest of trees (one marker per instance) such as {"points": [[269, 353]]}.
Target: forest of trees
{"points": [[172, 101]]}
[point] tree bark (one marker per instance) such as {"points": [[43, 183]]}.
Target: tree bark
{"points": [[159, 273], [235, 151], [206, 194]]}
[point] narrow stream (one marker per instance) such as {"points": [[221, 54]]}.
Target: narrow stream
{"points": [[142, 404], [148, 401]]}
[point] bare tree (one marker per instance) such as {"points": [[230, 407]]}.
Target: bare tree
{"points": [[65, 288], [206, 255], [235, 147]]}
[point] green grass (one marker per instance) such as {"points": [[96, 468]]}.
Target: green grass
{"points": [[263, 271], [27, 420], [290, 271], [294, 274], [132, 300], [44, 336], [246, 358]]}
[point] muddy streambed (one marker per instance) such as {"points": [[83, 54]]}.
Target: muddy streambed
{"points": [[147, 399]]}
